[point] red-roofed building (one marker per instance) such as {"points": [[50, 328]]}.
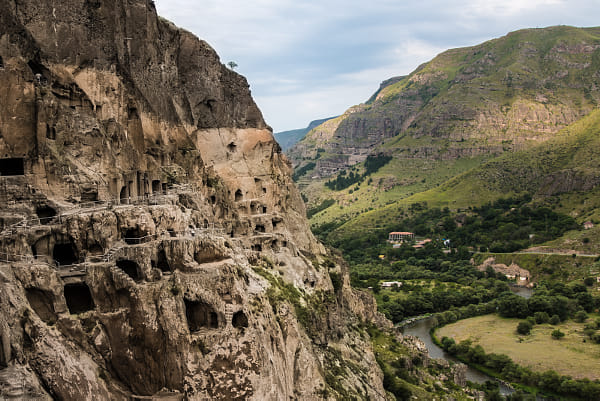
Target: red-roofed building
{"points": [[401, 236]]}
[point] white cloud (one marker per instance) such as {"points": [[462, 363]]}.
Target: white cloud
{"points": [[311, 59]]}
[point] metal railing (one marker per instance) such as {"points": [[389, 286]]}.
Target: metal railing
{"points": [[86, 207], [110, 254]]}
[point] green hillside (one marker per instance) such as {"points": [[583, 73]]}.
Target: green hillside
{"points": [[562, 173]]}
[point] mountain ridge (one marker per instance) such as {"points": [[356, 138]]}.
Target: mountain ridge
{"points": [[287, 139]]}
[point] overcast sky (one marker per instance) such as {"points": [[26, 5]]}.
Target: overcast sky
{"points": [[307, 60]]}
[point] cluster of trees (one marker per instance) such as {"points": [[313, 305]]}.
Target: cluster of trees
{"points": [[321, 206], [343, 180], [372, 164], [303, 170], [457, 284], [548, 381], [550, 299], [506, 225]]}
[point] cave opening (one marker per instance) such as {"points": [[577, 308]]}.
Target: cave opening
{"points": [[12, 166], [1, 62], [238, 195], [134, 236], [130, 267], [208, 255], [239, 320], [257, 248], [123, 195], [3, 358], [200, 315], [264, 209], [79, 298], [162, 263], [213, 199], [132, 113], [64, 254], [50, 132], [45, 213], [95, 249], [41, 302], [89, 196], [155, 186], [231, 147], [260, 228]]}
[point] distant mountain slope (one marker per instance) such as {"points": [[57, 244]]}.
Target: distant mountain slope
{"points": [[287, 139], [563, 172], [502, 95]]}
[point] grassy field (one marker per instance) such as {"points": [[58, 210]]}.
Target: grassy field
{"points": [[399, 179], [538, 351]]}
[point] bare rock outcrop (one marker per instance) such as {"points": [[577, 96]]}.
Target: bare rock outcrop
{"points": [[152, 241]]}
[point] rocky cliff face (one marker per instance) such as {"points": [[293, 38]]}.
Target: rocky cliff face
{"points": [[152, 241], [503, 95]]}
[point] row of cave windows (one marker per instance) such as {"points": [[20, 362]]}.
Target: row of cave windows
{"points": [[15, 166], [64, 254], [79, 299]]}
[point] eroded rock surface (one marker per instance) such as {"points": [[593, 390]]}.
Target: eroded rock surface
{"points": [[152, 240]]}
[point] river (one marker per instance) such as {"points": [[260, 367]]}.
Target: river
{"points": [[421, 328]]}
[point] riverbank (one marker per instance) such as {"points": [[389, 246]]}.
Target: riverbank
{"points": [[537, 351], [421, 329], [487, 371]]}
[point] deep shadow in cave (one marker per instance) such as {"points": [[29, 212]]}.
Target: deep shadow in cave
{"points": [[79, 298], [200, 315], [130, 267], [64, 254]]}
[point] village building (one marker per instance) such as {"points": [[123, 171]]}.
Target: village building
{"points": [[390, 284], [421, 244], [401, 236], [588, 224]]}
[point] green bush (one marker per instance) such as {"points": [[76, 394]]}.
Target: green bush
{"points": [[580, 316], [557, 334], [541, 317], [524, 327]]}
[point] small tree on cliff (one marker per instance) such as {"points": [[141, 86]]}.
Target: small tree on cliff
{"points": [[232, 65]]}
